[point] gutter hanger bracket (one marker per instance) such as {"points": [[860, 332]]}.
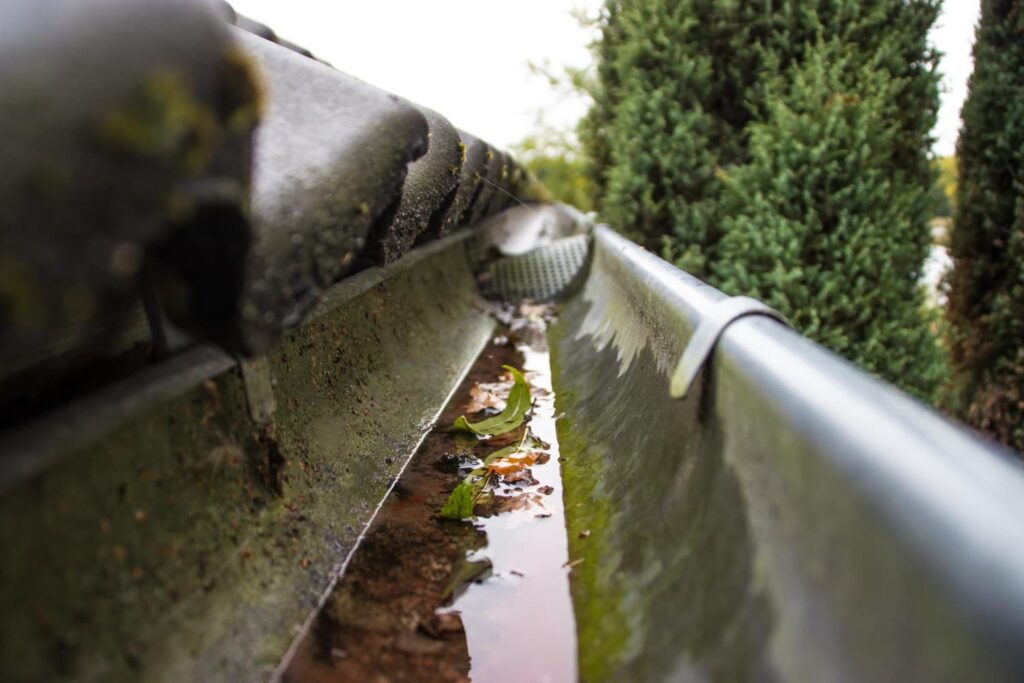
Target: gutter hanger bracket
{"points": [[259, 388], [703, 341]]}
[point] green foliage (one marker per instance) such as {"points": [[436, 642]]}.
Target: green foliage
{"points": [[516, 407], [554, 159], [945, 186], [822, 227], [780, 149], [663, 122], [986, 298], [460, 502]]}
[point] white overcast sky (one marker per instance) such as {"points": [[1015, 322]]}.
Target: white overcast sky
{"points": [[467, 59]]}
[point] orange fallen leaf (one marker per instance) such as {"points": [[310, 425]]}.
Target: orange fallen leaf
{"points": [[520, 477], [513, 464]]}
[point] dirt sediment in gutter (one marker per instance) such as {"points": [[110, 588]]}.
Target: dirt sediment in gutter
{"points": [[432, 599], [380, 624]]}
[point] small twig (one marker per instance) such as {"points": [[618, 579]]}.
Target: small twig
{"points": [[526, 435], [487, 479], [501, 189]]}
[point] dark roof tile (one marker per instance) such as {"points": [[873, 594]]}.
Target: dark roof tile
{"points": [[429, 191], [470, 183], [123, 124], [128, 132], [262, 30], [330, 160]]}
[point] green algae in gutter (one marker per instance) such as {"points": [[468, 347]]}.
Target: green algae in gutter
{"points": [[666, 587], [602, 628]]}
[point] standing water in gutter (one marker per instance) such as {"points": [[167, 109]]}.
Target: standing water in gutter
{"points": [[520, 620], [442, 593]]}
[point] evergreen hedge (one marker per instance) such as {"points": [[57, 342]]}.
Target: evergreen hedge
{"points": [[822, 225], [647, 134], [801, 126], [986, 286]]}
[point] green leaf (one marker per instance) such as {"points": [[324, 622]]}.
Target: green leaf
{"points": [[460, 502], [510, 418]]}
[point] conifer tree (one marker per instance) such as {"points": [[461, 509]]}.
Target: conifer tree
{"points": [[822, 224], [703, 127], [679, 81], [647, 134], [669, 112], [986, 287], [595, 127]]}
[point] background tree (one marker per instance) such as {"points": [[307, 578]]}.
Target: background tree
{"points": [[689, 133], [945, 185], [595, 127], [822, 225], [553, 157], [670, 108], [986, 287]]}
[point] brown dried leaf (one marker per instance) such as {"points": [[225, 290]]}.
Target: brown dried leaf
{"points": [[438, 625], [520, 501], [483, 396], [416, 644], [507, 439], [534, 312], [520, 477]]}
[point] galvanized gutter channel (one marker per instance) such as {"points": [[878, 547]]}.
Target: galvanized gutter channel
{"points": [[792, 518]]}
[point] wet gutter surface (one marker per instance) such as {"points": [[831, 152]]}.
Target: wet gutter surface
{"points": [[426, 598]]}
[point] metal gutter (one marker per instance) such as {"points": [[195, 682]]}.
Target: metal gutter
{"points": [[802, 517]]}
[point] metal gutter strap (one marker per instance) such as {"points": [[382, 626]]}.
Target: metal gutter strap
{"points": [[711, 327]]}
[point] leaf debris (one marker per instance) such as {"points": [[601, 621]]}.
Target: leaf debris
{"points": [[516, 408]]}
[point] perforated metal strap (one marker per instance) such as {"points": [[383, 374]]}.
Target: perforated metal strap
{"points": [[547, 272], [710, 329]]}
